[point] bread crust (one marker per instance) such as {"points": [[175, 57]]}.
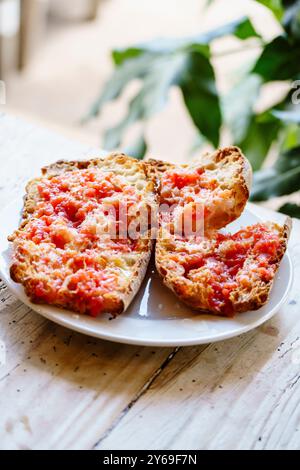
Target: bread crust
{"points": [[113, 302], [223, 160], [196, 294], [235, 174], [260, 293]]}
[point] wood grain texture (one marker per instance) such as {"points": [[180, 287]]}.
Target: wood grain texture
{"points": [[61, 389], [241, 393], [64, 390]]}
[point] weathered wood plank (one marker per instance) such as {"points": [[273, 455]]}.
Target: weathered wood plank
{"points": [[240, 394], [61, 389]]}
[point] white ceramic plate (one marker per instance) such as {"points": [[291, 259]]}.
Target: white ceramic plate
{"points": [[156, 317]]}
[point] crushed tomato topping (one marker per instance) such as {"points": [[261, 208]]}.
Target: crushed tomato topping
{"points": [[186, 189], [77, 258], [224, 266], [186, 185]]}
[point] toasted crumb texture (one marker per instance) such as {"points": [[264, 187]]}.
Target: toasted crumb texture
{"points": [[63, 251], [224, 274], [218, 182], [210, 271]]}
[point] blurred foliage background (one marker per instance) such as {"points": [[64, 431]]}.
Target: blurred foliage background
{"points": [[269, 137]]}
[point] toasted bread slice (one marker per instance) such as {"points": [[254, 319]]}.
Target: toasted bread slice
{"points": [[223, 274], [218, 182], [72, 248], [210, 271]]}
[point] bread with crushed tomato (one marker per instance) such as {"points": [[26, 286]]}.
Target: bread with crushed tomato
{"points": [[205, 270], [225, 178], [54, 281], [224, 274]]}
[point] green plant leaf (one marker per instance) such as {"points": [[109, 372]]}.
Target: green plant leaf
{"points": [[292, 116], [245, 30], [283, 178], [195, 76], [290, 136], [122, 55], [260, 135], [161, 64], [238, 106], [275, 6], [131, 69], [293, 210], [291, 19], [242, 28], [165, 72], [280, 60], [138, 148], [288, 3], [201, 98], [288, 160]]}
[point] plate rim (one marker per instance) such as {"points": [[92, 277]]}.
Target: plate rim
{"points": [[117, 338], [125, 339]]}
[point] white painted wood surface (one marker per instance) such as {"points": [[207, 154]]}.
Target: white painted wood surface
{"points": [[63, 390]]}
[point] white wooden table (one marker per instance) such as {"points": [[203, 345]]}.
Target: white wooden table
{"points": [[64, 390]]}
